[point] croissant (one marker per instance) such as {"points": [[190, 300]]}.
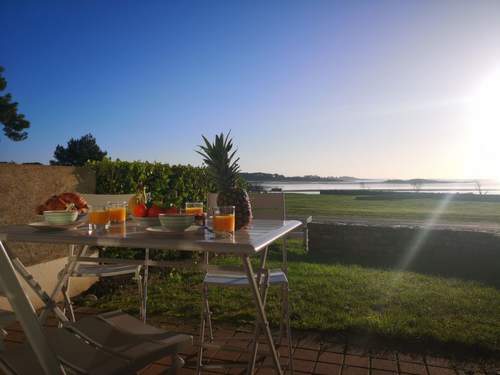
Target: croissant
{"points": [[76, 199], [62, 202], [54, 203]]}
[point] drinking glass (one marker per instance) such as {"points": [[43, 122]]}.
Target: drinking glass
{"points": [[117, 211], [196, 209], [223, 221], [98, 218]]}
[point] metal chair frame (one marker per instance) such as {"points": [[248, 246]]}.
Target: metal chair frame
{"points": [[267, 206], [103, 269]]}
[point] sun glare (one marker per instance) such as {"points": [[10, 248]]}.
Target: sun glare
{"points": [[484, 108]]}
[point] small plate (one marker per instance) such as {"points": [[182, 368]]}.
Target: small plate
{"points": [[43, 225], [193, 229]]}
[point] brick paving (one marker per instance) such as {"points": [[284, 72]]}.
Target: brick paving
{"points": [[313, 354]]}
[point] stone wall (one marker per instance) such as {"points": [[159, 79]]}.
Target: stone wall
{"points": [[470, 255], [24, 187]]}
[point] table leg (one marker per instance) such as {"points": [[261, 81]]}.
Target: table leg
{"points": [[255, 347], [145, 286], [261, 313], [253, 358], [26, 315]]}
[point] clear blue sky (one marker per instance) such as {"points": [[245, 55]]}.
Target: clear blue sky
{"points": [[370, 89]]}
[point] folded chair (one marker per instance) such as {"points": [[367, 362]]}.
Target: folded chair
{"points": [[264, 206], [101, 269], [110, 343]]}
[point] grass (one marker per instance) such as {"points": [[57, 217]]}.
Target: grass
{"points": [[348, 206], [337, 298]]}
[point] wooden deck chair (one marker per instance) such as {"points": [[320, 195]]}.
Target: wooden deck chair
{"points": [[264, 206], [102, 269], [110, 343]]}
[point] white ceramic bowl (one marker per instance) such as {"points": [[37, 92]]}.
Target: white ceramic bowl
{"points": [[176, 223], [146, 221], [60, 217]]}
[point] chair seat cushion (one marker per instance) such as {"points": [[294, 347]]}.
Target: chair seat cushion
{"points": [[275, 277]]}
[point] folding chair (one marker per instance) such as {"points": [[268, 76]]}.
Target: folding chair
{"points": [[102, 269], [264, 206], [110, 343]]}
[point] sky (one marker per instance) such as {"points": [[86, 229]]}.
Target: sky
{"points": [[374, 89]]}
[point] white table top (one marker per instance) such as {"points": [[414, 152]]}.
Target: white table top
{"points": [[249, 241]]}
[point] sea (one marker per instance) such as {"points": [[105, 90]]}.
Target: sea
{"points": [[450, 186]]}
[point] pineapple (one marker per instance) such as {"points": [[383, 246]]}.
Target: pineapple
{"points": [[223, 168]]}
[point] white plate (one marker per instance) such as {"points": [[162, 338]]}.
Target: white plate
{"points": [[46, 226], [193, 229]]}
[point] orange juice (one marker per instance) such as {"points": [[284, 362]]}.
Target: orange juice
{"points": [[196, 211], [224, 223], [99, 217], [117, 214]]}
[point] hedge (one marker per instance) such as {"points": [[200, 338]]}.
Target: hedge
{"points": [[181, 183]]}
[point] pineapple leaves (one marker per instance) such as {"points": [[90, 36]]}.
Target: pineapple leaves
{"points": [[221, 161]]}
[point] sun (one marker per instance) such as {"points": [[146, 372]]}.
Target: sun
{"points": [[484, 120], [486, 103]]}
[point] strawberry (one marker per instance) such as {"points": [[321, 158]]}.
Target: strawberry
{"points": [[154, 211], [141, 210]]}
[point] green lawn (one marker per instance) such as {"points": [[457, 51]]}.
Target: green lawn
{"points": [[333, 298], [347, 206]]}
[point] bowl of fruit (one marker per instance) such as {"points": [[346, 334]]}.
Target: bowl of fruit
{"points": [[146, 215], [176, 222]]}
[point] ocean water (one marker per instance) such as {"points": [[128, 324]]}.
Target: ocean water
{"points": [[487, 187]]}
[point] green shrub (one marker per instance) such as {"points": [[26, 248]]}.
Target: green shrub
{"points": [[182, 183]]}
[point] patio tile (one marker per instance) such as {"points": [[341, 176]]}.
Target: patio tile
{"points": [[333, 347], [327, 369], [309, 355], [384, 364], [330, 357], [283, 351], [412, 368], [309, 342], [15, 336], [304, 366], [349, 370], [166, 361], [153, 369], [412, 357], [440, 371], [382, 372], [437, 361], [226, 355], [389, 355], [355, 360], [186, 371]]}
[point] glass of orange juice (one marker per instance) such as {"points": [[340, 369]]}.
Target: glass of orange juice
{"points": [[99, 218], [117, 211], [223, 221], [196, 209]]}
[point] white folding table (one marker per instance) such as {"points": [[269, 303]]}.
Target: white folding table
{"points": [[245, 243]]}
